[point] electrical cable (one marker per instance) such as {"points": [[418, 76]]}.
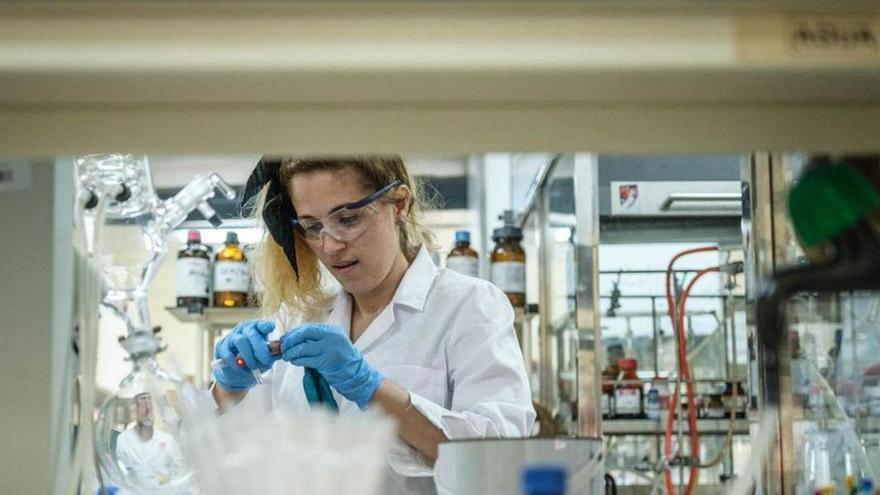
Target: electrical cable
{"points": [[695, 439]]}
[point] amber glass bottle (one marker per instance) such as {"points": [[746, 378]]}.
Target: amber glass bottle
{"points": [[462, 258], [193, 272], [509, 261], [231, 280]]}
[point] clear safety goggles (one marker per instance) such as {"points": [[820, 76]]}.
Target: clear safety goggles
{"points": [[346, 222]]}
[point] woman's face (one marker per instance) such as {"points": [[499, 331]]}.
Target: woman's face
{"points": [[363, 262]]}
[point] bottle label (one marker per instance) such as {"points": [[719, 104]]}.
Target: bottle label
{"points": [[627, 401], [466, 265], [606, 404], [509, 276], [231, 276], [193, 277]]}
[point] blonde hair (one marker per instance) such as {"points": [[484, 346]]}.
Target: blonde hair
{"points": [[306, 296]]}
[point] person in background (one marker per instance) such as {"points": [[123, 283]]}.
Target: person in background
{"points": [[146, 453], [432, 348]]}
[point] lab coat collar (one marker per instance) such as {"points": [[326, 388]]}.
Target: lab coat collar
{"points": [[412, 292], [417, 281], [340, 313]]}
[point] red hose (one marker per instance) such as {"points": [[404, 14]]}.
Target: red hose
{"points": [[695, 435], [676, 316]]}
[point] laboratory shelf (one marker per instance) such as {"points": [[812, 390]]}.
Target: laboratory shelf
{"points": [[656, 427], [213, 316], [211, 323]]}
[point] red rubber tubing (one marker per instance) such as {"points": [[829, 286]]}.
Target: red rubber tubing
{"points": [[684, 372], [695, 435]]}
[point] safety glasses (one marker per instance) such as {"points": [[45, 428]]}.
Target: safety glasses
{"points": [[345, 222]]}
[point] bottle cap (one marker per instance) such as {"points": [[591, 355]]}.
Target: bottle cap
{"points": [[866, 485], [194, 236], [462, 236], [543, 480], [231, 238], [628, 363], [509, 231]]}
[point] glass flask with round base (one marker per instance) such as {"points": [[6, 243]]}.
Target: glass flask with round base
{"points": [[138, 427]]}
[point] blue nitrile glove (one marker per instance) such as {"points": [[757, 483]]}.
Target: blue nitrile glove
{"points": [[327, 349], [250, 340]]}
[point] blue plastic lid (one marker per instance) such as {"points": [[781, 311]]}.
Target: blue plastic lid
{"points": [[866, 485], [462, 236], [108, 490], [543, 480]]}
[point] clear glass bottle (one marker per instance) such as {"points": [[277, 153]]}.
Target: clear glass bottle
{"points": [[652, 402], [740, 407], [231, 278], [508, 269], [137, 428], [715, 408], [463, 258], [193, 272]]}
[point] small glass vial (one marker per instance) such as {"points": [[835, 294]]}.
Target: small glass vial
{"points": [[715, 407], [740, 407], [231, 279], [628, 397], [607, 405], [462, 258], [193, 272], [508, 269], [652, 403]]}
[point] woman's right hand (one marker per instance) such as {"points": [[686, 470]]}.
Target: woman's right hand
{"points": [[250, 340]]}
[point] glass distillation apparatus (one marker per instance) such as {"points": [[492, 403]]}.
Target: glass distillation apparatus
{"points": [[122, 227]]}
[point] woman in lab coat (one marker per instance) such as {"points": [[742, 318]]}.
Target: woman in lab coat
{"points": [[431, 347]]}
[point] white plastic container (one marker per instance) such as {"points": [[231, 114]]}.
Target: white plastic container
{"points": [[488, 467]]}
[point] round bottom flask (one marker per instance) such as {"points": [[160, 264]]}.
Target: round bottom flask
{"points": [[137, 429]]}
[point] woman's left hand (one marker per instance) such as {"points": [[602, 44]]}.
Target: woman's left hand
{"points": [[327, 348]]}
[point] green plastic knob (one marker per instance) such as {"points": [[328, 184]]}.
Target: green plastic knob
{"points": [[828, 200]]}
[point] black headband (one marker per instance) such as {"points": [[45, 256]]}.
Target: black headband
{"points": [[278, 209]]}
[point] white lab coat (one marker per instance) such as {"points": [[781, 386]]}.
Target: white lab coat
{"points": [[154, 462], [449, 340]]}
